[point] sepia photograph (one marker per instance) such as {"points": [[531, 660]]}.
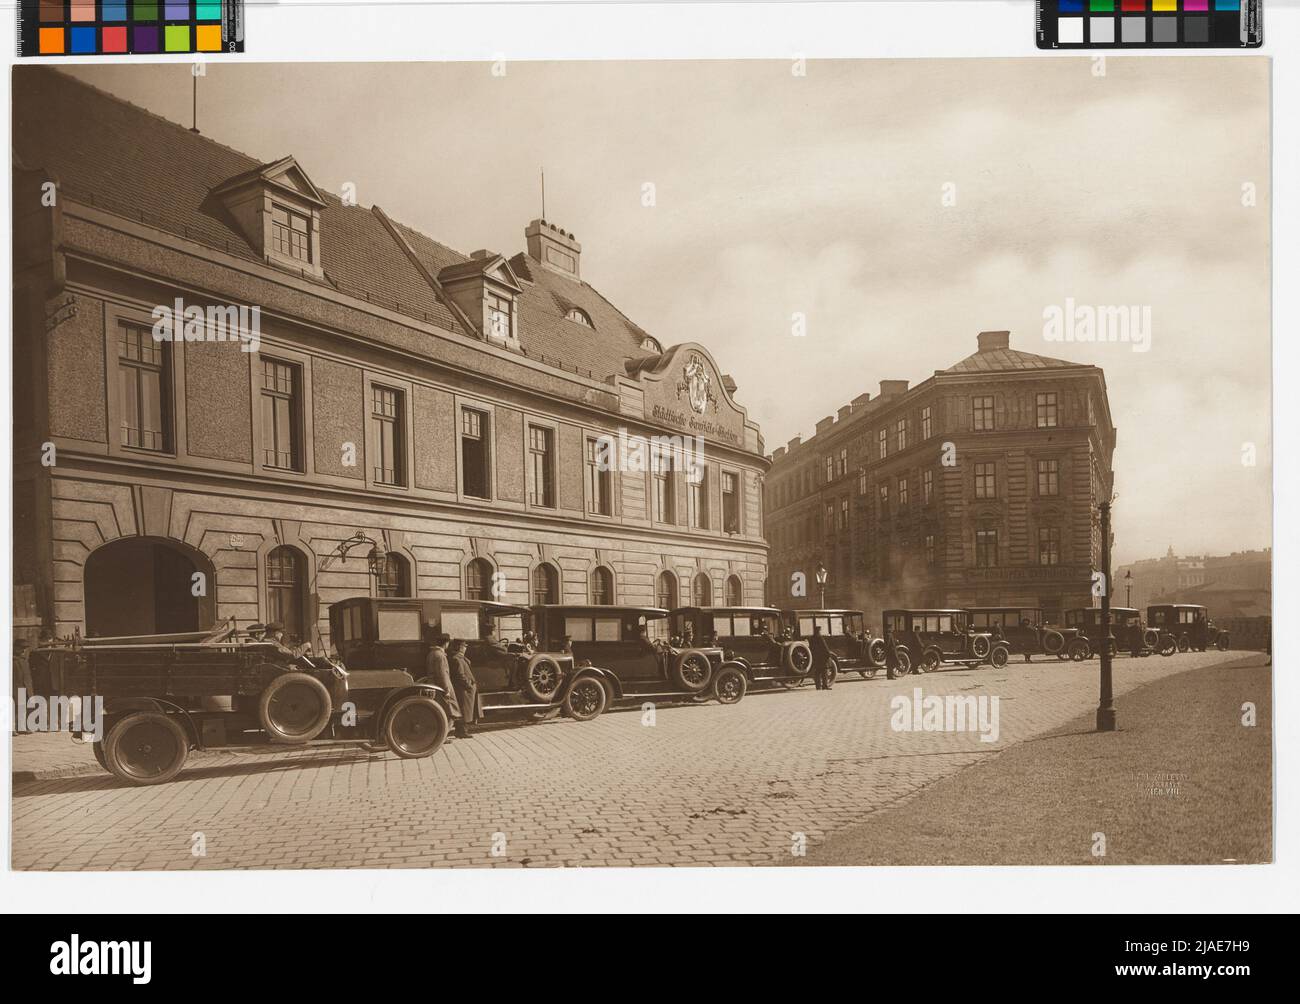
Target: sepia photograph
{"points": [[636, 464]]}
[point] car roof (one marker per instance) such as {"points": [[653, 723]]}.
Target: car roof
{"points": [[590, 608], [985, 610], [937, 610], [807, 612], [1176, 606], [1114, 610], [727, 610], [490, 606]]}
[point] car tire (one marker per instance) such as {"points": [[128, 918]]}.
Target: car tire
{"points": [[876, 651], [868, 674], [586, 699], [903, 658], [999, 657], [1168, 646], [832, 671], [980, 646], [294, 708], [931, 659], [542, 679], [797, 659], [730, 685], [1221, 643], [1080, 650], [1183, 643], [1151, 639], [146, 747], [1053, 642], [691, 671], [415, 727]]}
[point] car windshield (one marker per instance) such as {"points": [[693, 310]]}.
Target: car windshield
{"points": [[656, 628], [508, 627]]}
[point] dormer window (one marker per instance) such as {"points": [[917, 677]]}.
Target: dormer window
{"points": [[486, 291], [290, 233], [501, 311], [580, 316], [652, 345]]}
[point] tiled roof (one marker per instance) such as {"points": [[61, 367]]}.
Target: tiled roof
{"points": [[130, 162], [996, 360]]}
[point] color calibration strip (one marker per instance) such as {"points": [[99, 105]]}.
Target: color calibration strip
{"points": [[118, 27], [1150, 24]]}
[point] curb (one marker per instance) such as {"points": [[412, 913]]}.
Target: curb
{"points": [[27, 776]]}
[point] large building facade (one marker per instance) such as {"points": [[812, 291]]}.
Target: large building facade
{"points": [[408, 420], [978, 487]]}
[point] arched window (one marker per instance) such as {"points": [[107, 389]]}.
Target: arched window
{"points": [[666, 591], [702, 591], [580, 316], [286, 592], [395, 579], [546, 584], [651, 344], [145, 585], [478, 580], [602, 586], [735, 591]]}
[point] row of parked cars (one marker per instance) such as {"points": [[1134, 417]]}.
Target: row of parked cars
{"points": [[167, 695]]}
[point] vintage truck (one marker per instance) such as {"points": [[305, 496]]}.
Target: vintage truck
{"points": [[165, 695]]}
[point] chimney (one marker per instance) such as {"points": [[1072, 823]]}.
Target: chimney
{"points": [[892, 388], [794, 443], [555, 248], [778, 453], [991, 341], [824, 424], [843, 413], [860, 401]]}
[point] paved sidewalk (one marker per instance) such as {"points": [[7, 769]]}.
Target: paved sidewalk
{"points": [[706, 785]]}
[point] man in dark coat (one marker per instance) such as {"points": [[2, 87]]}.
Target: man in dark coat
{"points": [[437, 670], [462, 678], [821, 655]]}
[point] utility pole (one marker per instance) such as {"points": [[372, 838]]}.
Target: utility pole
{"points": [[1106, 704]]}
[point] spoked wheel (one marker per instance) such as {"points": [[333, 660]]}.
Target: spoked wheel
{"points": [[294, 708], [1222, 643], [415, 727], [1079, 651], [692, 672], [869, 674], [999, 656], [730, 686], [1183, 643], [930, 660], [542, 679], [586, 699], [832, 671], [146, 747], [1168, 646], [902, 662]]}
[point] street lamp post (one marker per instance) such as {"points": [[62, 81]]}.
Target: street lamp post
{"points": [[1128, 588], [1106, 703], [822, 576]]}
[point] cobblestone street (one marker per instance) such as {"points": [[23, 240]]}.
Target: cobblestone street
{"points": [[706, 785]]}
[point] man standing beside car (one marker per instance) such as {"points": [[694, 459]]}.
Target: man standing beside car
{"points": [[438, 672], [462, 677], [821, 653]]}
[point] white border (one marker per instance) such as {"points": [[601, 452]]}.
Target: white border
{"points": [[537, 30]]}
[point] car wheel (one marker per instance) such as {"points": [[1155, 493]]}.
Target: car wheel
{"points": [[692, 671], [294, 708], [999, 656], [415, 727], [542, 679], [1168, 646], [146, 747], [1183, 643], [904, 660], [730, 685], [931, 659], [868, 674], [586, 699], [1222, 643], [1054, 642], [876, 651], [798, 658], [1080, 650], [832, 671]]}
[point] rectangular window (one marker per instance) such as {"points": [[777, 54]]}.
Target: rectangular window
{"points": [[927, 487], [883, 498], [929, 549], [500, 316], [730, 502], [830, 469], [902, 493], [900, 431], [1046, 410], [1049, 545], [842, 463], [281, 415], [927, 426], [387, 416], [290, 233], [474, 453], [982, 413], [697, 498], [665, 509], [862, 483], [986, 486], [844, 514], [541, 466], [144, 384], [883, 440], [828, 521], [986, 548], [1048, 478], [599, 489]]}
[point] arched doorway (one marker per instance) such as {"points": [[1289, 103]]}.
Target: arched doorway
{"points": [[666, 591], [735, 591], [478, 580], [147, 585], [602, 586], [702, 591], [546, 584]]}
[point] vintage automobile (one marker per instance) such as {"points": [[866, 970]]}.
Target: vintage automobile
{"points": [[1127, 632], [927, 639], [1027, 634], [516, 678], [164, 695], [845, 636], [636, 654], [1185, 626], [752, 637]]}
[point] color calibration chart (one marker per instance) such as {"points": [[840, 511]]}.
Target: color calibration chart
{"points": [[1150, 24], [117, 27]]}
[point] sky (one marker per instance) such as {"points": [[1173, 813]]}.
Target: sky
{"points": [[899, 206]]}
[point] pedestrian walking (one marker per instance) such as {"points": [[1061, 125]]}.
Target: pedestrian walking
{"points": [[437, 670], [821, 654], [22, 680], [462, 678]]}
